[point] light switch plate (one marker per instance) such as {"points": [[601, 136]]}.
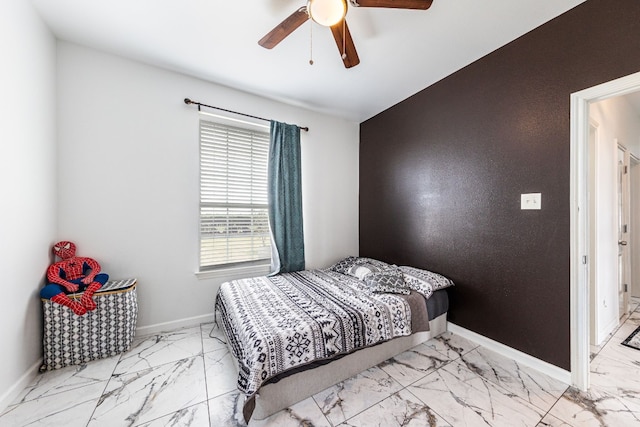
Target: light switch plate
{"points": [[531, 201]]}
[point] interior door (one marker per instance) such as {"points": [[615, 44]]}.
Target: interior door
{"points": [[624, 267]]}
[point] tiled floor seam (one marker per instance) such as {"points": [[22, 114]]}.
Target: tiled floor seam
{"points": [[204, 372], [396, 392], [106, 384], [548, 413], [427, 405]]}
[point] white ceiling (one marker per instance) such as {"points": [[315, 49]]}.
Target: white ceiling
{"points": [[401, 51]]}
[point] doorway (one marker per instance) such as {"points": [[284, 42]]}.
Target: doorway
{"points": [[580, 231], [613, 125]]}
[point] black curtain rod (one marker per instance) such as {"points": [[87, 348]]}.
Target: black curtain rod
{"points": [[199, 104]]}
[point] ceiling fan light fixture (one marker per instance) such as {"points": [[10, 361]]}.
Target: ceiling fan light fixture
{"points": [[327, 12]]}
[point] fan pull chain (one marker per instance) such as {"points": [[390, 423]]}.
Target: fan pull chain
{"points": [[310, 42], [344, 39]]}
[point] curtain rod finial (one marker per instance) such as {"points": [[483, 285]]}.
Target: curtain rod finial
{"points": [[188, 101]]}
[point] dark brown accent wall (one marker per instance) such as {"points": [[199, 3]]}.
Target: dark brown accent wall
{"points": [[441, 175]]}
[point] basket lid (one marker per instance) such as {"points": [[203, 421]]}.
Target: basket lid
{"points": [[117, 285]]}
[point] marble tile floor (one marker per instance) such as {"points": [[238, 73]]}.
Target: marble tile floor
{"points": [[185, 378]]}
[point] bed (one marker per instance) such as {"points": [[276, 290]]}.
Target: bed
{"points": [[295, 334]]}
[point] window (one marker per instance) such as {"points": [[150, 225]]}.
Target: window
{"points": [[234, 222]]}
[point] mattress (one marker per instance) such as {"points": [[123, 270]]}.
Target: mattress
{"points": [[287, 324], [282, 322], [437, 305]]}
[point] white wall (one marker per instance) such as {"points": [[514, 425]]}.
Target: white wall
{"points": [[27, 187], [635, 228], [128, 176], [616, 120]]}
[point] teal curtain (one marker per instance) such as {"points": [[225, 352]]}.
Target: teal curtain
{"points": [[285, 199]]}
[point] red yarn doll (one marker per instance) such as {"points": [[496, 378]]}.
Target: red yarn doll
{"points": [[73, 274]]}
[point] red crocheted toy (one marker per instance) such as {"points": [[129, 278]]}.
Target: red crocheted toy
{"points": [[70, 275]]}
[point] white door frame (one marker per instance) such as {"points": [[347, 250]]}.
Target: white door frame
{"points": [[592, 201], [579, 225]]}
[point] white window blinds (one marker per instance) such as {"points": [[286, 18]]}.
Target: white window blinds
{"points": [[234, 224]]}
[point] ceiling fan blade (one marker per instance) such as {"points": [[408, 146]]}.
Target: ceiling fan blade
{"points": [[397, 4], [283, 29], [345, 44]]}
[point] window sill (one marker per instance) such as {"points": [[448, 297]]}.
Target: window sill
{"points": [[235, 272]]}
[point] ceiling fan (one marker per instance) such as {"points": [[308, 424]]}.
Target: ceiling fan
{"points": [[331, 13]]}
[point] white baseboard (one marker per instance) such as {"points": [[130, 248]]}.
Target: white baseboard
{"points": [[604, 333], [174, 324], [520, 357], [10, 395], [27, 378]]}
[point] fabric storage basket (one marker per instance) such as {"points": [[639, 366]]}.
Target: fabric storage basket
{"points": [[108, 330]]}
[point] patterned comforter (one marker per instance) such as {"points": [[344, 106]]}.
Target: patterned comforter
{"points": [[278, 323]]}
